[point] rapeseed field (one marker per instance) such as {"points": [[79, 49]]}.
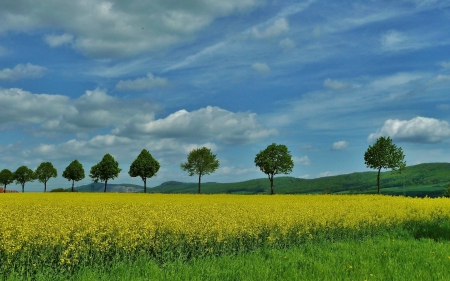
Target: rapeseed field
{"points": [[71, 230]]}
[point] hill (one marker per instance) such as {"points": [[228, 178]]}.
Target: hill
{"points": [[421, 180], [418, 180], [99, 187]]}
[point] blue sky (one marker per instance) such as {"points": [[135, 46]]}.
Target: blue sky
{"points": [[79, 79]]}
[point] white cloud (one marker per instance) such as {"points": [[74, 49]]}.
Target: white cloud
{"points": [[287, 44], [140, 84], [340, 145], [397, 41], [124, 149], [95, 109], [445, 64], [327, 174], [207, 52], [118, 28], [337, 85], [416, 130], [22, 71], [261, 68], [133, 117], [393, 40], [236, 171], [274, 30], [210, 124], [395, 80], [304, 160], [58, 40], [23, 107]]}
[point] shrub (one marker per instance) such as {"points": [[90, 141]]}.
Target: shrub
{"points": [[62, 190], [447, 191]]}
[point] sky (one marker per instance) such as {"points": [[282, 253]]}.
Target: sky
{"points": [[82, 78]]}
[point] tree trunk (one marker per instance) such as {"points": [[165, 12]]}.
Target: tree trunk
{"points": [[23, 187], [73, 181], [271, 185], [378, 180], [106, 182], [45, 187], [145, 185], [4, 190], [199, 180]]}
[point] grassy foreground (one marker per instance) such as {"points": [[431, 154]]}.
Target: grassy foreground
{"points": [[380, 258]]}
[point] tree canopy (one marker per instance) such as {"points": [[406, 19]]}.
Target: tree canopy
{"points": [[6, 177], [74, 172], [44, 172], [144, 166], [274, 160], [106, 169], [200, 161], [383, 154], [22, 175]]}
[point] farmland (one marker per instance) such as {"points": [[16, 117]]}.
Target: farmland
{"points": [[69, 232]]}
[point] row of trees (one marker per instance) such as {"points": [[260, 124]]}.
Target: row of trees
{"points": [[145, 166], [275, 159], [23, 174]]}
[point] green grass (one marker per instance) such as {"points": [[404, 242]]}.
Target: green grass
{"points": [[380, 258]]}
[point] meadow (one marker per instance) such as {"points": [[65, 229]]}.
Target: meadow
{"points": [[142, 235]]}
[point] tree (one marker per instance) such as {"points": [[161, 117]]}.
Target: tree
{"points": [[200, 161], [22, 175], [383, 154], [74, 172], [106, 169], [6, 177], [144, 166], [274, 160], [447, 191], [44, 172]]}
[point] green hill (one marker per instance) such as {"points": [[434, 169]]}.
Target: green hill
{"points": [[99, 187], [421, 180]]}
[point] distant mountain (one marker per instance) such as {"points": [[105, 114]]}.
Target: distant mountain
{"points": [[99, 187], [421, 180]]}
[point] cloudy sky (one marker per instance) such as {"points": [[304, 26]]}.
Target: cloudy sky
{"points": [[82, 78]]}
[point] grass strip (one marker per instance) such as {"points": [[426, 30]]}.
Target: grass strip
{"points": [[380, 258]]}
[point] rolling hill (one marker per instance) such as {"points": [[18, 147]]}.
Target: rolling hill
{"points": [[421, 180]]}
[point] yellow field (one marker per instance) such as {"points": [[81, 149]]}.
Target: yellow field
{"points": [[73, 229]]}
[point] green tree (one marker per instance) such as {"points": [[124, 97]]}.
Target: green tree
{"points": [[274, 160], [106, 169], [44, 172], [200, 161], [383, 154], [22, 175], [74, 172], [6, 177], [447, 191], [144, 166]]}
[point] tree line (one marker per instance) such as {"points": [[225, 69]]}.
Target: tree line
{"points": [[275, 159]]}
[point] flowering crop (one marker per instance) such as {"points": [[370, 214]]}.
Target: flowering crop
{"points": [[67, 230]]}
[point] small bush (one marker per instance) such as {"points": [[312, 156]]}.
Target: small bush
{"points": [[447, 191], [62, 190]]}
